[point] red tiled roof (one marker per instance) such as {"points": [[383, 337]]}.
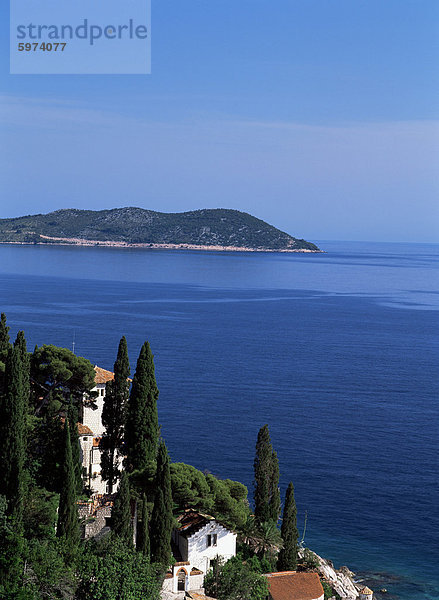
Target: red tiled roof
{"points": [[198, 596], [290, 585], [366, 591], [102, 375], [191, 521], [84, 430]]}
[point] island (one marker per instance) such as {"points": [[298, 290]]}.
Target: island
{"points": [[205, 229]]}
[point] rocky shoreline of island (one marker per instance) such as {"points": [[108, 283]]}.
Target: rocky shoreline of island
{"points": [[61, 241]]}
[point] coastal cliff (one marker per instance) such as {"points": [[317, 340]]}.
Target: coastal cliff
{"points": [[341, 580]]}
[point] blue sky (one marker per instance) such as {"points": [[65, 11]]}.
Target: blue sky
{"points": [[319, 116]]}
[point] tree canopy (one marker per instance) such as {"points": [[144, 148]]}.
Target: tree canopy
{"points": [[222, 498], [58, 372], [235, 580]]}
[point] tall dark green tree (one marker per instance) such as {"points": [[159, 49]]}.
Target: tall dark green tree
{"points": [[287, 560], [4, 335], [142, 542], [275, 503], [13, 433], [20, 343], [12, 481], [68, 524], [121, 513], [142, 429], [76, 448], [4, 347], [161, 518], [113, 416], [266, 482]]}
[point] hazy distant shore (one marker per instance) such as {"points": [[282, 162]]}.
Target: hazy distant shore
{"points": [[59, 241]]}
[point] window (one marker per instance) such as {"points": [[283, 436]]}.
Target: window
{"points": [[211, 539]]}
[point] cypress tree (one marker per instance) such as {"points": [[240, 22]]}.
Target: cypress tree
{"points": [[68, 525], [275, 503], [4, 335], [142, 429], [266, 482], [121, 513], [13, 434], [142, 543], [76, 448], [161, 518], [4, 347], [287, 560], [113, 416], [20, 343]]}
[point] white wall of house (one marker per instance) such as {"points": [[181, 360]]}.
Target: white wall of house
{"points": [[93, 417], [200, 553], [91, 463]]}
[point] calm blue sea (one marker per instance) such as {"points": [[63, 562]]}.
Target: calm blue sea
{"points": [[337, 352]]}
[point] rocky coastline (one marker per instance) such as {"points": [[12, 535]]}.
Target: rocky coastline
{"points": [[343, 581], [60, 241]]}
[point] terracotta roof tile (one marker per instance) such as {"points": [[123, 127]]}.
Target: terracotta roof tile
{"points": [[290, 585], [84, 430], [102, 375], [366, 591], [198, 596], [191, 521]]}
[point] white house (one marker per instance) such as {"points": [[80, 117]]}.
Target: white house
{"points": [[90, 432], [197, 542]]}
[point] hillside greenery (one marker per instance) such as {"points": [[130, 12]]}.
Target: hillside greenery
{"points": [[42, 554], [206, 227]]}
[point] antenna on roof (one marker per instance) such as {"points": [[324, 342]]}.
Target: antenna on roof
{"points": [[73, 343]]}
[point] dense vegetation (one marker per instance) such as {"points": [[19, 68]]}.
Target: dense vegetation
{"points": [[207, 227], [41, 552]]}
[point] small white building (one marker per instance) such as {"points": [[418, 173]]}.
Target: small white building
{"points": [[197, 542], [366, 594], [90, 432]]}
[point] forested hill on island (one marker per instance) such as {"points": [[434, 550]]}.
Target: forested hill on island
{"points": [[199, 229]]}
